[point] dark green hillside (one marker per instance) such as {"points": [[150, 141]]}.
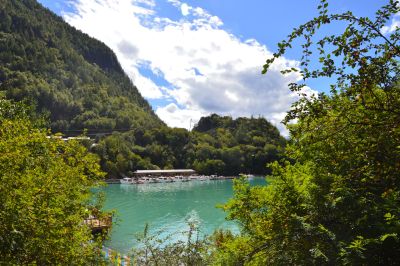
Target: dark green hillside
{"points": [[217, 145], [244, 130], [242, 145], [73, 78]]}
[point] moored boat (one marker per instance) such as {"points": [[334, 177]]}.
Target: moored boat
{"points": [[193, 177], [204, 178], [145, 180], [127, 180], [161, 179]]}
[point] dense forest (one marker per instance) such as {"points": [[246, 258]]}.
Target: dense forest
{"points": [[216, 145], [45, 193], [333, 199], [77, 83], [75, 80]]}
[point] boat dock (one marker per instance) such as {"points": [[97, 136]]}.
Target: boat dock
{"points": [[99, 225]]}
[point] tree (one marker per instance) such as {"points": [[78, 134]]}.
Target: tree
{"points": [[44, 194], [337, 200]]}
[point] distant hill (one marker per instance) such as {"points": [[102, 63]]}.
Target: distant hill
{"points": [[217, 145], [74, 79], [244, 130]]}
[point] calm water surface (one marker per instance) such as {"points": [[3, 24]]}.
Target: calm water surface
{"points": [[167, 207]]}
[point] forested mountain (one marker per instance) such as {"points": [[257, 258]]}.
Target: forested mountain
{"points": [[74, 79], [78, 84], [217, 145]]}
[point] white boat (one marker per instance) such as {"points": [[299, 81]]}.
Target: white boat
{"points": [[193, 177], [204, 178], [127, 180], [161, 179], [144, 180], [180, 178], [152, 180], [249, 176]]}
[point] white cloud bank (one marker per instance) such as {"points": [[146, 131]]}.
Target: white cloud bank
{"points": [[395, 23], [208, 69]]}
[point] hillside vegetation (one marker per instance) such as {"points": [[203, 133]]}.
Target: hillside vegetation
{"points": [[217, 145], [75, 80]]}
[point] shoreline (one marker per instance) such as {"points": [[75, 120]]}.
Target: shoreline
{"points": [[118, 181]]}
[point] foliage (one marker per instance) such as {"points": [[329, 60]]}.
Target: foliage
{"points": [[74, 79], [338, 201], [230, 147], [154, 250], [44, 194]]}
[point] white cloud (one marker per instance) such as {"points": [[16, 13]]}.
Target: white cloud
{"points": [[176, 3], [150, 3], [148, 88], [177, 117], [209, 70], [185, 9], [395, 23]]}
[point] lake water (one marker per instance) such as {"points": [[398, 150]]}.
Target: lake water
{"points": [[167, 207]]}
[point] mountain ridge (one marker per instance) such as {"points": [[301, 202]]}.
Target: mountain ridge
{"points": [[74, 78]]}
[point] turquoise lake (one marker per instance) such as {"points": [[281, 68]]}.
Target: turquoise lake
{"points": [[167, 207]]}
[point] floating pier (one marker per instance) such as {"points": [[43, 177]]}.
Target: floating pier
{"points": [[99, 225]]}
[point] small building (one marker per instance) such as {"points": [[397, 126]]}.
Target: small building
{"points": [[171, 172]]}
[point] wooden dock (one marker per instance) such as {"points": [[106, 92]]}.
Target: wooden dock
{"points": [[99, 225]]}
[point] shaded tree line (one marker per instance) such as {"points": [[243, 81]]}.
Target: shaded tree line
{"points": [[216, 145]]}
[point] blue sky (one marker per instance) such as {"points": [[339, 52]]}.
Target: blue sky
{"points": [[191, 58]]}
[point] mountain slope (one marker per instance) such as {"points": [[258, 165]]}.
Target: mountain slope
{"points": [[243, 130], [75, 79]]}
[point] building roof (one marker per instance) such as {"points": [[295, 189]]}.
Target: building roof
{"points": [[164, 171]]}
